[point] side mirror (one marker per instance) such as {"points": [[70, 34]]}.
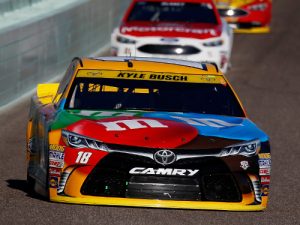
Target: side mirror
{"points": [[46, 92]]}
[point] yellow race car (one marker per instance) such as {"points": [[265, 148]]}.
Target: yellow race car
{"points": [[146, 132]]}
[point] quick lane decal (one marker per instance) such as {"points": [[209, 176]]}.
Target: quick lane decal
{"points": [[153, 76], [164, 171]]}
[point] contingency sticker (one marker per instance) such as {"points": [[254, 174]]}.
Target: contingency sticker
{"points": [[264, 163], [53, 182]]}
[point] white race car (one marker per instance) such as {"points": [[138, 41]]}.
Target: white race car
{"points": [[179, 29]]}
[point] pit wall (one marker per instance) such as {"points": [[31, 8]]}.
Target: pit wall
{"points": [[10, 5], [36, 52]]}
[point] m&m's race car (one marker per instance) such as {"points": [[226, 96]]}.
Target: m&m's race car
{"points": [[178, 29], [246, 16], [146, 132]]}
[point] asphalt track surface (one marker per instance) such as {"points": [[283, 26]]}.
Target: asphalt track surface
{"points": [[266, 75]]}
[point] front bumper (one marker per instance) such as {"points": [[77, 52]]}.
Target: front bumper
{"points": [[249, 28], [112, 201], [87, 185], [219, 55]]}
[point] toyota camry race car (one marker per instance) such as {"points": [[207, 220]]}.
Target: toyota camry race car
{"points": [[178, 29], [146, 132], [247, 16]]}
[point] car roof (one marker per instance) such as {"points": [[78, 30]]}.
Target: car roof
{"points": [[150, 64]]}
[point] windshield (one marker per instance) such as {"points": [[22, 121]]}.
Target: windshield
{"points": [[173, 12], [120, 94]]}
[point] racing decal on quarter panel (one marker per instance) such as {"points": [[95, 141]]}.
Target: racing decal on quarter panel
{"points": [[132, 124]]}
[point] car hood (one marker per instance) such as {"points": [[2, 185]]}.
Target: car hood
{"points": [[159, 129], [171, 30]]}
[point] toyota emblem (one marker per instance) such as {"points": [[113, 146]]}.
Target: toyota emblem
{"points": [[164, 157]]}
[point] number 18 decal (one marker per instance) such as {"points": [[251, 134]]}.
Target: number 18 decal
{"points": [[83, 157]]}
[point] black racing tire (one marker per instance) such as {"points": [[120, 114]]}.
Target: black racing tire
{"points": [[30, 185]]}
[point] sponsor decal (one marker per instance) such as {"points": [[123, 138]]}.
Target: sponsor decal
{"points": [[54, 147], [151, 76], [168, 29], [264, 171], [164, 157], [265, 180], [264, 155], [53, 182], [164, 171], [54, 171], [264, 163], [56, 163], [121, 125], [56, 155], [207, 122], [83, 157], [265, 190], [245, 165]]}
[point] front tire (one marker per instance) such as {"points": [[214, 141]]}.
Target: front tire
{"points": [[30, 185]]}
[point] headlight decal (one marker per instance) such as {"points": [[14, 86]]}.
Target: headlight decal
{"points": [[258, 7], [248, 149], [213, 43], [78, 141], [125, 40]]}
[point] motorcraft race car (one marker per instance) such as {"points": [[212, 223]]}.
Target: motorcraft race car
{"points": [[247, 16], [179, 29], [146, 132]]}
